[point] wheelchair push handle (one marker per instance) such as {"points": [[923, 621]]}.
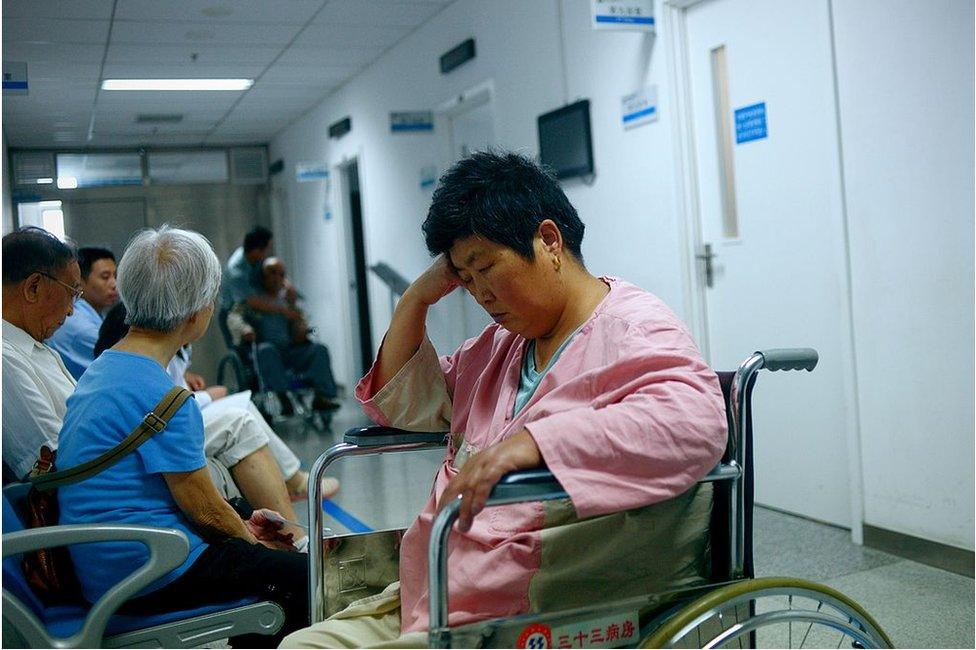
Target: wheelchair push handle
{"points": [[789, 359]]}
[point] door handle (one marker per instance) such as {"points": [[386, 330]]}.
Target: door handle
{"points": [[707, 256]]}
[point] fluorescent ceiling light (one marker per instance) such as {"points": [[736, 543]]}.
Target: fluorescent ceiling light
{"points": [[67, 182], [45, 181], [177, 84]]}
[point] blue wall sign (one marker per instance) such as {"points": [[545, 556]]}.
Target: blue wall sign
{"points": [[411, 121], [15, 79], [750, 123], [623, 14]]}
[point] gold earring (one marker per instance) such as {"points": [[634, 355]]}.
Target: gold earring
{"points": [[556, 263]]}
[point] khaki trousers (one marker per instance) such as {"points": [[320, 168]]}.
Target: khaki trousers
{"points": [[372, 622]]}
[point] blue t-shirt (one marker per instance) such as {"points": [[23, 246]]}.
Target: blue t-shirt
{"points": [[75, 340], [529, 377], [113, 396]]}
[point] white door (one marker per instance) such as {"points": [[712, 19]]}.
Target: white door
{"points": [[770, 212]]}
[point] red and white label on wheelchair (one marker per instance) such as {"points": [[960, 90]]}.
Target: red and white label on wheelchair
{"points": [[605, 632]]}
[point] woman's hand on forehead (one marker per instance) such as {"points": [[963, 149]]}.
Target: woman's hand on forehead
{"points": [[437, 281]]}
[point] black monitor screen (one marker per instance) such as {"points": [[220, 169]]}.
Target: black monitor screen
{"points": [[564, 140]]}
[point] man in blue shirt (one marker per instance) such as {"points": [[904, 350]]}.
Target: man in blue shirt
{"points": [[75, 340]]}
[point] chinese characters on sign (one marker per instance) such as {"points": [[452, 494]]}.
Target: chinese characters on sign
{"points": [[606, 632], [750, 123], [623, 14], [639, 107]]}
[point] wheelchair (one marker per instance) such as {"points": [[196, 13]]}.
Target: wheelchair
{"points": [[732, 607], [238, 370], [30, 623]]}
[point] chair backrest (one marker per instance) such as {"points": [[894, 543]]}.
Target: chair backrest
{"points": [[13, 573], [722, 494]]}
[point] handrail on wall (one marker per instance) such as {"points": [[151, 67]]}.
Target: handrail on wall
{"points": [[393, 280], [396, 282]]}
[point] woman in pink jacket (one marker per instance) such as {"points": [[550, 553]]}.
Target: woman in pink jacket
{"points": [[589, 376]]}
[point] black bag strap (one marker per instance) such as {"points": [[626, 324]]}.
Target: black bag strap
{"points": [[154, 422]]}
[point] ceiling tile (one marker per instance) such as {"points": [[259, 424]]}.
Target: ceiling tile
{"points": [[52, 52], [292, 12], [63, 72], [96, 9], [142, 100], [312, 74], [174, 33], [376, 13], [326, 54], [51, 30], [178, 54], [177, 71], [277, 90], [342, 36]]}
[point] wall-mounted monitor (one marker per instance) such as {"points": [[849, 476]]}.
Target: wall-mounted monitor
{"points": [[565, 144]]}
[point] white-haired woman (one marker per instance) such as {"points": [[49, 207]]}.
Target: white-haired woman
{"points": [[169, 280]]}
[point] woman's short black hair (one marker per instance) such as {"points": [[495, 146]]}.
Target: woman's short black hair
{"points": [[33, 250], [503, 197], [112, 330]]}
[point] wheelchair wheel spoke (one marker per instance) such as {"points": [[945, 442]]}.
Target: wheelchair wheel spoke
{"points": [[789, 605], [809, 627], [737, 620]]}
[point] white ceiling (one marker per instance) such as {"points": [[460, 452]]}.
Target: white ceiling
{"points": [[298, 52]]}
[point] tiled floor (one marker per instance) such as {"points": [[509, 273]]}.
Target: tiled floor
{"points": [[917, 605]]}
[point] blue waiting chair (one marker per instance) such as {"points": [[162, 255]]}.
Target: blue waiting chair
{"points": [[28, 623]]}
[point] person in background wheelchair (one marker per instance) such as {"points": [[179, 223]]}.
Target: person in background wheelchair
{"points": [[590, 376], [168, 279], [283, 341]]}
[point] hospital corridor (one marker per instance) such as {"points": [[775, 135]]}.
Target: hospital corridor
{"points": [[488, 323]]}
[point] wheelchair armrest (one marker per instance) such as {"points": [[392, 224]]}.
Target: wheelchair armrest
{"points": [[379, 436], [168, 549], [527, 485]]}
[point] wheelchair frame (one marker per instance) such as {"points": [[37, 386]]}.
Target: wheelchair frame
{"points": [[541, 485]]}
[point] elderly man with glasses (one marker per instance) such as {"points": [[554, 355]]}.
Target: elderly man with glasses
{"points": [[41, 282]]}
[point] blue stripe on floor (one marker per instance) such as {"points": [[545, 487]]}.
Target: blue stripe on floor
{"points": [[354, 525]]}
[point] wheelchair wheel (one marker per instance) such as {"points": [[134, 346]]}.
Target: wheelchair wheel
{"points": [[770, 613]]}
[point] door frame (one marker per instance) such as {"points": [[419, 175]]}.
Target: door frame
{"points": [[340, 201], [674, 22]]}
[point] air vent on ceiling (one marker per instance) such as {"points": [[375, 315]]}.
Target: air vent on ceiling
{"points": [[248, 165], [32, 166], [159, 118]]}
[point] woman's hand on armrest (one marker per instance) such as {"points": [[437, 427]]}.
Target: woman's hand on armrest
{"points": [[198, 498], [483, 470]]}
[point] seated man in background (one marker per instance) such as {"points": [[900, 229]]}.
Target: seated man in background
{"points": [[283, 342], [41, 281], [75, 340]]}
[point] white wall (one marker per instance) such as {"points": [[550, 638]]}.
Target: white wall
{"points": [[8, 208], [631, 224], [906, 100], [905, 77]]}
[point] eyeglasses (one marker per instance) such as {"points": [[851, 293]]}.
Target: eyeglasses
{"points": [[75, 291]]}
